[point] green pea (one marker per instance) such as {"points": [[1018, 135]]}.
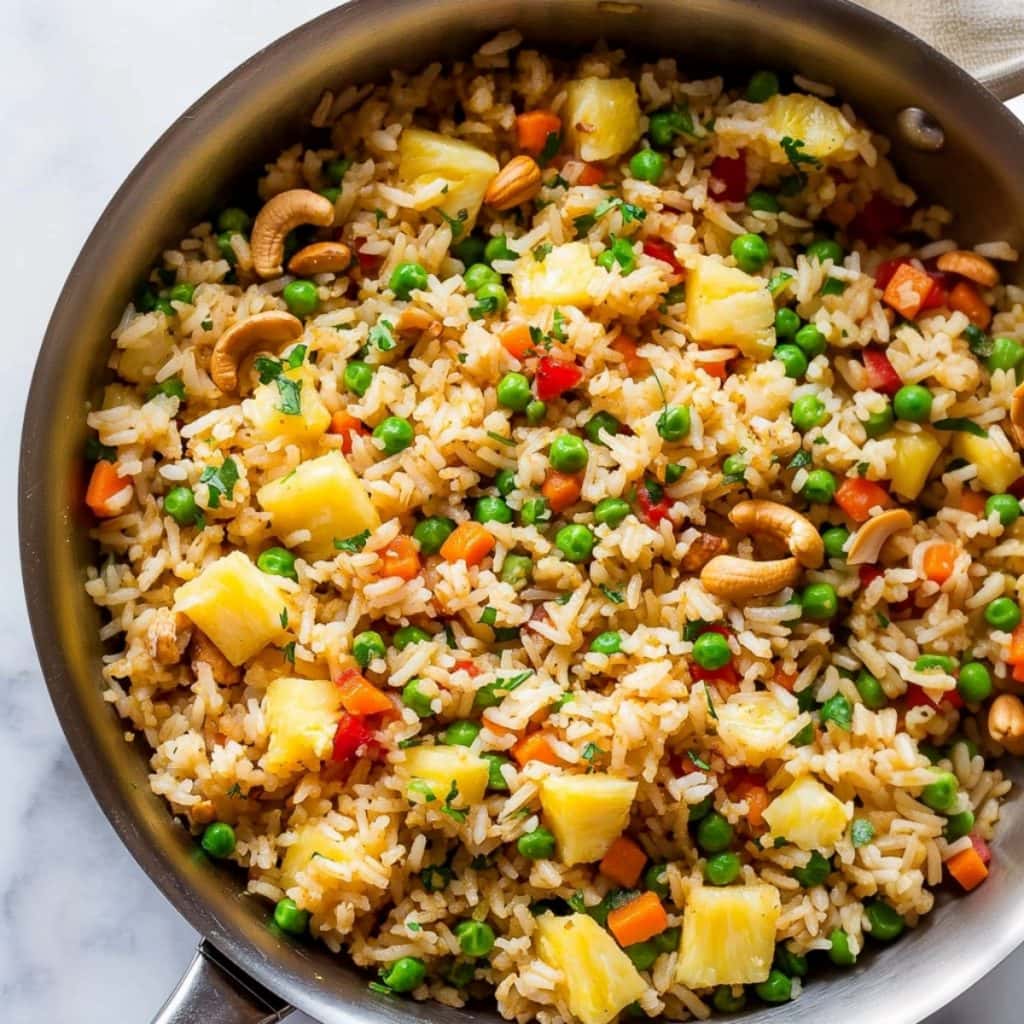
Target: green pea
{"points": [[833, 286], [735, 466], [576, 542], [514, 392], [607, 643], [811, 340], [1003, 614], [647, 165], [300, 297], [461, 733], [664, 126], [777, 989], [819, 601], [277, 562], [656, 880], [234, 220], [814, 872], [958, 825], [674, 473], [879, 423], [870, 690], [180, 505], [492, 510], [944, 662], [711, 650], [536, 845], [476, 938], [431, 533], [975, 682], [534, 511], [414, 698], [1005, 506], [1007, 354], [407, 278], [912, 403], [930, 751], [808, 412], [886, 924], [834, 539], [792, 965], [469, 250], [751, 252], [793, 360], [358, 377], [763, 85], [668, 940], [839, 948], [601, 421], [761, 201], [394, 433], [495, 778], [493, 294], [336, 169], [163, 306], [497, 249], [182, 292], [805, 737], [218, 839], [611, 511], [642, 955], [516, 569], [478, 275], [724, 1001], [409, 635], [714, 833], [366, 646], [331, 193], [536, 411], [171, 387], [289, 918], [820, 487], [941, 794], [227, 250], [700, 810], [825, 249], [722, 869], [674, 423], [460, 974], [405, 974], [568, 454]]}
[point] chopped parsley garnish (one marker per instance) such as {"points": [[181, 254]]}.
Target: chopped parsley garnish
{"points": [[692, 630], [698, 760], [489, 616], [488, 304], [453, 795], [235, 790], [558, 182], [978, 341], [793, 150], [590, 752], [541, 251], [961, 425], [413, 926], [492, 694], [558, 325], [800, 459], [379, 215], [615, 596], [382, 335], [173, 387], [291, 396], [356, 543], [457, 223], [288, 652], [779, 280], [551, 146], [421, 788], [284, 618], [630, 212], [883, 620], [220, 481], [96, 452]]}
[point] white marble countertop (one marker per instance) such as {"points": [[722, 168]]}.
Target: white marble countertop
{"points": [[86, 89]]}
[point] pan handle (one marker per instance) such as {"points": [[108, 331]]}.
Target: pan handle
{"points": [[1005, 85], [215, 991]]}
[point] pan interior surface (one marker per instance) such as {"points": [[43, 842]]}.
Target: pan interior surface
{"points": [[244, 120]]}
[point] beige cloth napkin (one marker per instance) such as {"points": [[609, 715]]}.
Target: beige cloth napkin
{"points": [[985, 37]]}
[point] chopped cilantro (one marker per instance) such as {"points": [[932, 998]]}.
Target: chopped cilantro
{"points": [[284, 618], [558, 325], [779, 280], [453, 795], [501, 439], [489, 616], [862, 468], [591, 751], [356, 543], [615, 596], [961, 425], [173, 387], [382, 335], [551, 146], [288, 652], [457, 224], [711, 704], [413, 926], [698, 760], [296, 356], [235, 790], [800, 459], [291, 396], [220, 481], [541, 251], [96, 452], [488, 304], [793, 150], [421, 788], [883, 620], [379, 215], [630, 212]]}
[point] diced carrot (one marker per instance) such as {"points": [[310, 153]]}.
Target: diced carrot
{"points": [[1016, 655], [535, 747], [562, 490], [973, 502], [965, 298], [468, 667], [756, 796], [103, 485], [938, 561], [1018, 673], [624, 862], [361, 697], [639, 920], [347, 425], [401, 558], [907, 291], [719, 369], [592, 174], [783, 678], [534, 128], [966, 867], [469, 542], [857, 497], [636, 365], [517, 341]]}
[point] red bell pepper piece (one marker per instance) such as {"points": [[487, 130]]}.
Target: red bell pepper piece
{"points": [[653, 511], [981, 848], [659, 249], [351, 734], [729, 178], [555, 377], [726, 674], [877, 220], [868, 574], [369, 262], [881, 375], [917, 697]]}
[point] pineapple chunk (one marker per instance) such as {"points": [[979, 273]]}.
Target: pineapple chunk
{"points": [[598, 979], [440, 768], [754, 727], [312, 842], [562, 278], [997, 464], [728, 935], [323, 496], [807, 815], [586, 813], [725, 306], [425, 158], [235, 605], [603, 117], [822, 127], [915, 455], [302, 718], [265, 410]]}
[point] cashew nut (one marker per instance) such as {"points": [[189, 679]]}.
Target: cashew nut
{"points": [[321, 258], [702, 550], [168, 636], [739, 578], [1006, 723], [970, 265], [270, 331], [1017, 414], [868, 541], [796, 531], [285, 212]]}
